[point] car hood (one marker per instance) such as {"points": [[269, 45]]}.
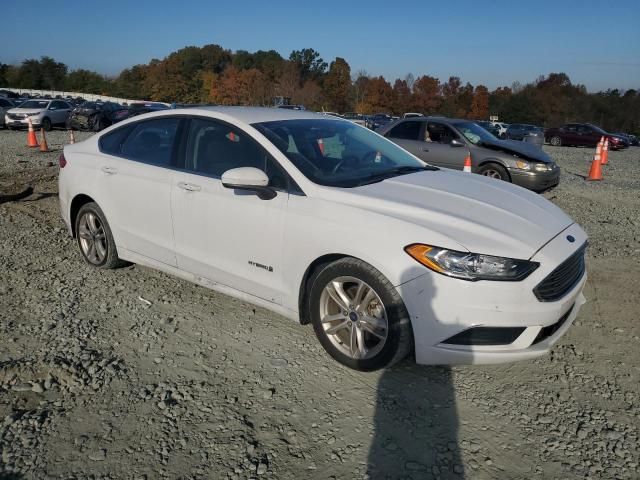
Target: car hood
{"points": [[481, 214], [526, 150], [26, 110]]}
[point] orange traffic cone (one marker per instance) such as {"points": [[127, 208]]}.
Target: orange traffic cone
{"points": [[467, 163], [605, 152], [321, 146], [72, 137], [595, 172], [43, 144], [32, 141]]}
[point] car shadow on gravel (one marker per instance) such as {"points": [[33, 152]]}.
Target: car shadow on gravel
{"points": [[416, 421]]}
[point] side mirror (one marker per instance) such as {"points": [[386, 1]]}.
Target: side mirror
{"points": [[53, 108], [456, 143], [249, 178]]}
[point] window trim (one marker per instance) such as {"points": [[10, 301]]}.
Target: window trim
{"points": [[172, 161], [180, 165]]}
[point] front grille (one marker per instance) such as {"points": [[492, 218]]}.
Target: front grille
{"points": [[16, 116], [563, 278], [486, 336], [549, 330]]}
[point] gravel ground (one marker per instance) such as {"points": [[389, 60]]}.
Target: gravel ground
{"points": [[134, 374]]}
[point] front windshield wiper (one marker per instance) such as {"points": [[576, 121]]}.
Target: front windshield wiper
{"points": [[394, 172]]}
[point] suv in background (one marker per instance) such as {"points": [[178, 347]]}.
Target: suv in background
{"points": [[378, 120], [44, 113], [489, 127], [581, 135], [446, 142], [354, 117]]}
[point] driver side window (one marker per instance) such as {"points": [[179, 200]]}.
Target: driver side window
{"points": [[440, 133], [215, 147]]}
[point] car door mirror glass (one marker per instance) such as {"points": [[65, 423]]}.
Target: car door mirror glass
{"points": [[249, 178]]}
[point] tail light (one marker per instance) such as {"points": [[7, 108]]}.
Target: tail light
{"points": [[62, 161]]}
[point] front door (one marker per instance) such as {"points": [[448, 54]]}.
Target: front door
{"points": [[439, 148], [222, 235]]}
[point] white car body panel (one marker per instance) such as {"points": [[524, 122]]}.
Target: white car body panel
{"points": [[259, 250]]}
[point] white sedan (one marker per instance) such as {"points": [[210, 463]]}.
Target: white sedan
{"points": [[384, 254]]}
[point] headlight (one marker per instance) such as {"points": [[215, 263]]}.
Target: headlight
{"points": [[521, 164], [470, 266], [33, 114]]}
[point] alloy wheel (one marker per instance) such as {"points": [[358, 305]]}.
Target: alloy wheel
{"points": [[353, 317], [490, 172], [92, 237]]}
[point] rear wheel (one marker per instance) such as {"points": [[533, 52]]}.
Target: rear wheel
{"points": [[358, 317], [555, 141], [95, 238], [494, 170]]}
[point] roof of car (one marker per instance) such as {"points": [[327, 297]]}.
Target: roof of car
{"points": [[261, 114]]}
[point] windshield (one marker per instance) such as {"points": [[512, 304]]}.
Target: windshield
{"points": [[474, 132], [598, 129], [338, 153], [35, 104]]}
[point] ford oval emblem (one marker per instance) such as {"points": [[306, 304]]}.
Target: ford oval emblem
{"points": [[571, 238]]}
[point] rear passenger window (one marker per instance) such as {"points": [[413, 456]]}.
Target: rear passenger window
{"points": [[409, 130], [112, 142], [151, 141]]}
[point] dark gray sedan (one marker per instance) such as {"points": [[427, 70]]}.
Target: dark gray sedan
{"points": [[445, 142]]}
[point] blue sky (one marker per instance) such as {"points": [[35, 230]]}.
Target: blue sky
{"points": [[484, 41]]}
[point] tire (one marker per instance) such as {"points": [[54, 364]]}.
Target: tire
{"points": [[91, 227], [46, 124], [494, 170], [384, 314], [555, 141]]}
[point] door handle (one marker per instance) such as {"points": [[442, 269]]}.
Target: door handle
{"points": [[425, 149], [189, 187], [109, 170]]}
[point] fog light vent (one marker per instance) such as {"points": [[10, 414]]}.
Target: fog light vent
{"points": [[486, 336]]}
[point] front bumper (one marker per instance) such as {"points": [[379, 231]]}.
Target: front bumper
{"points": [[536, 181], [21, 122], [441, 307]]}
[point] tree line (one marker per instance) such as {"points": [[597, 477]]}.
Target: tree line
{"points": [[212, 74]]}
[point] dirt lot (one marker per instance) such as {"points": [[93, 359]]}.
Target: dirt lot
{"points": [[133, 374]]}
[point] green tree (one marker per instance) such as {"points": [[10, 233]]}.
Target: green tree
{"points": [[311, 64], [337, 85]]}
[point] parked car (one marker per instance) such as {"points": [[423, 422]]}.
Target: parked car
{"points": [[9, 94], [380, 252], [581, 135], [291, 107], [44, 113], [138, 108], [355, 118], [96, 116], [489, 127], [502, 129], [632, 140], [5, 106], [520, 131], [446, 142], [378, 120], [412, 114], [332, 114]]}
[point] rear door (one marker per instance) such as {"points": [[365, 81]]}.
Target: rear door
{"points": [[137, 168], [409, 134]]}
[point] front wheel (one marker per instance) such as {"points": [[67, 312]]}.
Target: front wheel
{"points": [[358, 317], [95, 238], [555, 141], [46, 124], [494, 170]]}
